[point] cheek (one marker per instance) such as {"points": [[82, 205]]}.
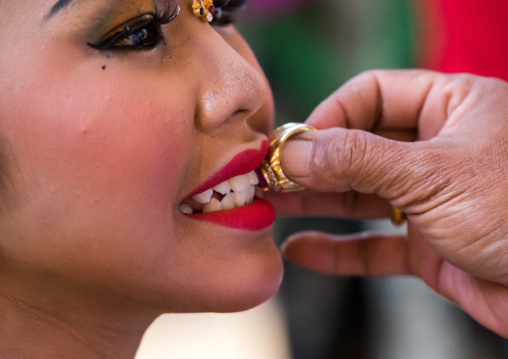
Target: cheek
{"points": [[102, 147], [102, 162]]}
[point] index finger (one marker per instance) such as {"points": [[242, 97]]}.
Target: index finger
{"points": [[386, 100]]}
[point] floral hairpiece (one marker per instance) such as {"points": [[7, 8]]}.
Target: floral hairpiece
{"points": [[203, 9]]}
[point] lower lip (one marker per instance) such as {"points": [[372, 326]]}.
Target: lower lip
{"points": [[258, 215]]}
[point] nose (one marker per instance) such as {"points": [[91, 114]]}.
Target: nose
{"points": [[231, 89]]}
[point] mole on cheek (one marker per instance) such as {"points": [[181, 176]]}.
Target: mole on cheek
{"points": [[104, 67]]}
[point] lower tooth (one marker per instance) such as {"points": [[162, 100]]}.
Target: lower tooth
{"points": [[252, 194], [241, 197], [228, 202], [213, 206], [184, 208]]}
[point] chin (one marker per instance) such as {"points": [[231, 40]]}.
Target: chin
{"points": [[254, 279], [234, 286], [243, 293]]}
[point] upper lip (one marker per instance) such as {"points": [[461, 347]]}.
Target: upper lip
{"points": [[242, 163]]}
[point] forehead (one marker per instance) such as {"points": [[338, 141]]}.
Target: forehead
{"points": [[62, 4]]}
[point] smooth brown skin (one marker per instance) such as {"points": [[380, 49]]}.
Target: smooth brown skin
{"points": [[436, 147], [100, 148]]}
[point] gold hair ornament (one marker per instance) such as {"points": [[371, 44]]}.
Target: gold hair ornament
{"points": [[203, 9], [271, 169]]}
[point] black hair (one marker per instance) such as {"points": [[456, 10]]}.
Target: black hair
{"points": [[227, 10]]}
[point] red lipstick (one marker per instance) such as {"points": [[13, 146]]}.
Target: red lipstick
{"points": [[242, 163], [258, 215]]}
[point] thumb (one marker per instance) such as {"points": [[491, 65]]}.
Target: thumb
{"points": [[339, 160]]}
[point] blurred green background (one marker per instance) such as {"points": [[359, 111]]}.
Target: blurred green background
{"points": [[307, 50]]}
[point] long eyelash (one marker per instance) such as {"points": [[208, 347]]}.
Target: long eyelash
{"points": [[158, 19], [167, 16]]}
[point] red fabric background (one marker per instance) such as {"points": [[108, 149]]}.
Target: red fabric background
{"points": [[469, 36]]}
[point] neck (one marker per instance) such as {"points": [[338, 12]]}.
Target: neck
{"points": [[69, 329]]}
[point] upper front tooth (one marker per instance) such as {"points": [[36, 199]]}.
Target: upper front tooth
{"points": [[254, 180], [203, 197], [223, 188], [240, 183]]}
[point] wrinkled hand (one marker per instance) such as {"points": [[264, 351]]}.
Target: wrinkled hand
{"points": [[432, 145]]}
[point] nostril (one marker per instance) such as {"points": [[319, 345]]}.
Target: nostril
{"points": [[239, 112]]}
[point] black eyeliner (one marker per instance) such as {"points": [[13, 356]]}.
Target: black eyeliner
{"points": [[149, 24], [139, 23]]}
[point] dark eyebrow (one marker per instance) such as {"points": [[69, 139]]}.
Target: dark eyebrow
{"points": [[57, 7]]}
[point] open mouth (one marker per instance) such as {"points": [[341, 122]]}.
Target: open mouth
{"points": [[233, 193]]}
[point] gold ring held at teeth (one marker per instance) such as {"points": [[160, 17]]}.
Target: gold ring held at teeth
{"points": [[397, 217], [271, 168]]}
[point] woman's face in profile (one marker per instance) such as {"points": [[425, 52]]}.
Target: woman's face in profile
{"points": [[110, 120]]}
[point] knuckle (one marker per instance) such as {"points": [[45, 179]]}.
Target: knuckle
{"points": [[346, 152], [371, 73], [461, 87], [355, 149]]}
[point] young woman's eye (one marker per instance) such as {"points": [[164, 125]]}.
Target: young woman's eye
{"points": [[141, 33]]}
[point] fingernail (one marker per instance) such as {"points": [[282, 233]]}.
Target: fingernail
{"points": [[295, 158]]}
